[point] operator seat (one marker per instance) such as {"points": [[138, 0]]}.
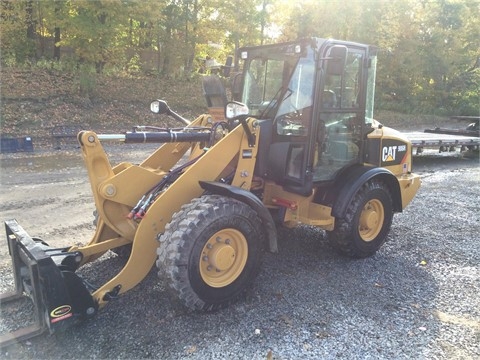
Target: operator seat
{"points": [[215, 96], [214, 91], [329, 100]]}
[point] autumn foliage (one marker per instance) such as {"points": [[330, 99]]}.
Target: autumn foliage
{"points": [[99, 63]]}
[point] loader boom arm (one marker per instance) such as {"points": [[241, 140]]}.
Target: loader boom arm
{"points": [[61, 297], [116, 190]]}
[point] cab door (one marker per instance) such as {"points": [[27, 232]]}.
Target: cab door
{"points": [[320, 123], [339, 119], [287, 155]]}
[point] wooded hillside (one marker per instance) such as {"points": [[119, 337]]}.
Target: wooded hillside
{"points": [[429, 60]]}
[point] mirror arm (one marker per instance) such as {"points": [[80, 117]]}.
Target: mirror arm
{"points": [[250, 136], [178, 117]]}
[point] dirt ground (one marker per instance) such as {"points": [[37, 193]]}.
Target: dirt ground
{"points": [[416, 298], [49, 194]]}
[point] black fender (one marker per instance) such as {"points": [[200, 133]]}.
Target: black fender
{"points": [[251, 200], [352, 179]]}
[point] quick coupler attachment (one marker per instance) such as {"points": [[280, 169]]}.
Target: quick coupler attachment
{"points": [[46, 276]]}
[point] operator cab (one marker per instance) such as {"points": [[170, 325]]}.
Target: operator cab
{"points": [[314, 101]]}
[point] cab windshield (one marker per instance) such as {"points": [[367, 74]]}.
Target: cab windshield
{"points": [[273, 78]]}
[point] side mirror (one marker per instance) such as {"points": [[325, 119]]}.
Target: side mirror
{"points": [[336, 60], [235, 109], [159, 107]]}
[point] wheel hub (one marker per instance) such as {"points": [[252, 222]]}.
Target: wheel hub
{"points": [[223, 258], [371, 220]]}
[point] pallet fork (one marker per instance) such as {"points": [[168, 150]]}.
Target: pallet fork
{"points": [[59, 296]]}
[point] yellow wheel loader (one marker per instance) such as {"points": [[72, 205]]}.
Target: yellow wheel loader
{"points": [[298, 145]]}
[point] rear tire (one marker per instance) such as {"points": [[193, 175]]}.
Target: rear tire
{"points": [[211, 251], [367, 222]]}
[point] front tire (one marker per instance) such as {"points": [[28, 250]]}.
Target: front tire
{"points": [[367, 222], [211, 251]]}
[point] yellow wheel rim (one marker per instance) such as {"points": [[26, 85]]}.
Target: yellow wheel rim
{"points": [[223, 258], [371, 220]]}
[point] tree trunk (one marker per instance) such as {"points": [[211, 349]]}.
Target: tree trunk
{"points": [[29, 20], [56, 48]]}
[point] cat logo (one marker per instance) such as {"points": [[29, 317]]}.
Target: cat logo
{"points": [[389, 152]]}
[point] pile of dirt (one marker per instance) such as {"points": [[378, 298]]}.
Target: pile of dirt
{"points": [[35, 101]]}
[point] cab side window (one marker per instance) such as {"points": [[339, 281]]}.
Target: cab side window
{"points": [[294, 113], [342, 90]]}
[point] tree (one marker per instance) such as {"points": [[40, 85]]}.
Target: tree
{"points": [[17, 41], [429, 59]]}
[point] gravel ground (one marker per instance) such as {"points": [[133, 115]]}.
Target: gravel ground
{"points": [[416, 298]]}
